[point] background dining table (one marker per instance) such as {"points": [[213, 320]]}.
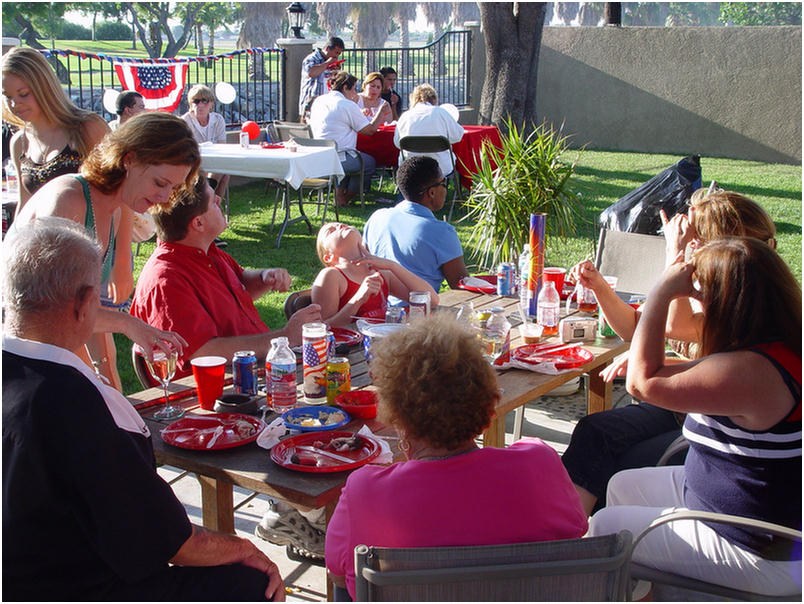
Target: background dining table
{"points": [[467, 151]]}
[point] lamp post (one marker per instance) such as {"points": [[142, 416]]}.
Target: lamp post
{"points": [[296, 15]]}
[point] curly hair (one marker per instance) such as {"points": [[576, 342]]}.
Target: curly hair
{"points": [[423, 93], [749, 296], [433, 382], [727, 214], [149, 138], [30, 65]]}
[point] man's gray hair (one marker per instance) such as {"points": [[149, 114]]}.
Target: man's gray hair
{"points": [[46, 262]]}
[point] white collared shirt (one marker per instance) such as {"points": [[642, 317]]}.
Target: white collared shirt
{"points": [[335, 117]]}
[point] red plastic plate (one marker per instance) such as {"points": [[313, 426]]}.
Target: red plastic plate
{"points": [[567, 358], [284, 451], [198, 432], [346, 336], [491, 289]]}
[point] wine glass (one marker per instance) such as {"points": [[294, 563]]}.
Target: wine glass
{"points": [[163, 368]]}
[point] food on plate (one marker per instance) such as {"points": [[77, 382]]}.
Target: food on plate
{"points": [[324, 418], [341, 443]]}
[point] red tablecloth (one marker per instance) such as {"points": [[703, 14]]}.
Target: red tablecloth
{"points": [[467, 150]]}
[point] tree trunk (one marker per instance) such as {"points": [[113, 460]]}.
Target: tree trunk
{"points": [[513, 34], [614, 13], [262, 23], [29, 35]]}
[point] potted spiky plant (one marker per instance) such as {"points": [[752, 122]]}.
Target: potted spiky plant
{"points": [[527, 175]]}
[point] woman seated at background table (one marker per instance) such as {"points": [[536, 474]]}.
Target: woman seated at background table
{"points": [[426, 118], [369, 99], [742, 397], [439, 393], [337, 117], [355, 283], [207, 126], [637, 435]]}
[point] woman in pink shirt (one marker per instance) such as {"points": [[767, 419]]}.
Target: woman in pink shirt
{"points": [[438, 391]]}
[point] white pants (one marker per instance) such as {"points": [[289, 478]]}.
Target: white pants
{"points": [[685, 547]]}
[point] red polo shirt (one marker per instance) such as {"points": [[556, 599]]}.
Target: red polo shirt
{"points": [[198, 295]]}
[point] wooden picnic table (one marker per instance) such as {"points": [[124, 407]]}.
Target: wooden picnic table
{"points": [[250, 466]]}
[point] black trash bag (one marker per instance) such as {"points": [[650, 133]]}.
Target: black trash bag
{"points": [[638, 212]]}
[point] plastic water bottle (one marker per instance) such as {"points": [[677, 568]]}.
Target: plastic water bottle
{"points": [[524, 273], [496, 337], [280, 375], [548, 305], [12, 184], [467, 318]]}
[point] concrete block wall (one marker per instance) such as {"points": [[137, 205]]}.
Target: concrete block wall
{"points": [[717, 91]]}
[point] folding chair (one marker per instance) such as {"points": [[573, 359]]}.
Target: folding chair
{"points": [[636, 260], [433, 144], [646, 573], [590, 569], [316, 184], [296, 301]]}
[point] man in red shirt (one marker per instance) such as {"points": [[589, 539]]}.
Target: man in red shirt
{"points": [[201, 292]]}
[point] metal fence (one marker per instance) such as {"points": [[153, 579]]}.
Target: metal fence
{"points": [[444, 64], [257, 75]]}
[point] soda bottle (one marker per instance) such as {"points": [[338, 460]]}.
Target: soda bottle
{"points": [[12, 185], [496, 337], [280, 375], [548, 306], [466, 316], [524, 273]]}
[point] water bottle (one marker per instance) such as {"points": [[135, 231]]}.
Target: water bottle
{"points": [[280, 375], [12, 184], [524, 273], [496, 337], [548, 305], [467, 318]]}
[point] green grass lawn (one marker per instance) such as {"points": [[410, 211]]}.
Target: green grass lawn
{"points": [[601, 177]]}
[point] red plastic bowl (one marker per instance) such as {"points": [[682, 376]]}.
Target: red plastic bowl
{"points": [[360, 404]]}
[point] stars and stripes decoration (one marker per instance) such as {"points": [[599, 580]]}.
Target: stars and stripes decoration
{"points": [[314, 356], [161, 86]]}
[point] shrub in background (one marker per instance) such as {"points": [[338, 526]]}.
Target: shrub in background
{"points": [[108, 30], [75, 31]]}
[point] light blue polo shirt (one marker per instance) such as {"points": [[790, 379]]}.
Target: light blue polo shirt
{"points": [[411, 235]]}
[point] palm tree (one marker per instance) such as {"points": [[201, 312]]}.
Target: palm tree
{"points": [[262, 25], [437, 15], [371, 21], [332, 16], [404, 12]]}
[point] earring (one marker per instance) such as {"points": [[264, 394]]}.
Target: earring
{"points": [[404, 444]]}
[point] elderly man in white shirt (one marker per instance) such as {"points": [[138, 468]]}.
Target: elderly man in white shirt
{"points": [[337, 117], [426, 118]]}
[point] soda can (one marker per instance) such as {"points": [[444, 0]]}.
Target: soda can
{"points": [[339, 378], [506, 273], [395, 314], [330, 345], [244, 140], [244, 371]]}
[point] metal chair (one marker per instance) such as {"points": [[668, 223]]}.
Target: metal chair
{"points": [[433, 144], [590, 569], [296, 301], [141, 369], [316, 184], [636, 260], [646, 573], [288, 130]]}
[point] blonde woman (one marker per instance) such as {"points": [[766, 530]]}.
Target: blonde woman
{"points": [[426, 118], [207, 126], [369, 99], [54, 135]]}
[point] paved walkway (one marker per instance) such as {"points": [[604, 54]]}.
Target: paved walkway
{"points": [[550, 418]]}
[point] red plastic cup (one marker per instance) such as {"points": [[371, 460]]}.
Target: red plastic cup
{"points": [[208, 373], [556, 275]]}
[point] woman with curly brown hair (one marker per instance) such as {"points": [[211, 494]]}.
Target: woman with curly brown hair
{"points": [[135, 167], [439, 393]]}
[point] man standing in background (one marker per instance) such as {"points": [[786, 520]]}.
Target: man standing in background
{"points": [[316, 70]]}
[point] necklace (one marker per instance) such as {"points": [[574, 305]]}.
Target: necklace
{"points": [[468, 449]]}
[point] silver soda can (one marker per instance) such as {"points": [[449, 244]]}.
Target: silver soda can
{"points": [[244, 140], [506, 274], [330, 345]]}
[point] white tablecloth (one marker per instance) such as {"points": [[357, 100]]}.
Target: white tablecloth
{"points": [[281, 164]]}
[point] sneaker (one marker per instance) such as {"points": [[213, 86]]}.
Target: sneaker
{"points": [[302, 555], [284, 525]]}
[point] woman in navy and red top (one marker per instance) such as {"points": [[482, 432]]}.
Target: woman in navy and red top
{"points": [[743, 403]]}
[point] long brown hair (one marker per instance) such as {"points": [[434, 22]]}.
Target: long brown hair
{"points": [[749, 296], [153, 138], [730, 214], [31, 66]]}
